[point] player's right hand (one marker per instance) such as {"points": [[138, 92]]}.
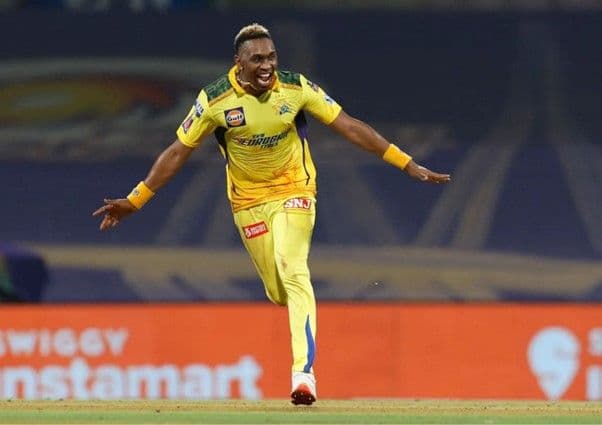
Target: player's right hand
{"points": [[424, 174], [114, 211]]}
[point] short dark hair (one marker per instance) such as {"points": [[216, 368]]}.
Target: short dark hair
{"points": [[250, 32]]}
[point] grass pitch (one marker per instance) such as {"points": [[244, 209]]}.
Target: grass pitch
{"points": [[282, 412]]}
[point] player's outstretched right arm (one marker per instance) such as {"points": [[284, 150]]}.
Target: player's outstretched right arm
{"points": [[165, 167]]}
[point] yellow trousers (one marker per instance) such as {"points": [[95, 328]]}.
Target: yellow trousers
{"points": [[277, 236]]}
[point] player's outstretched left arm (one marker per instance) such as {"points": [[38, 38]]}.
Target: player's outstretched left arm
{"points": [[361, 134]]}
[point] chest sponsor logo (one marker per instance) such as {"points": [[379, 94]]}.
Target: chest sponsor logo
{"points": [[235, 117], [254, 230], [261, 140], [298, 203]]}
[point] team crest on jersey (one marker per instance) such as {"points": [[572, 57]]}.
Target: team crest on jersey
{"points": [[235, 117], [298, 203], [253, 230], [285, 109]]}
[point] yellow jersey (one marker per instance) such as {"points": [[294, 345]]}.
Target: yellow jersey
{"points": [[263, 138]]}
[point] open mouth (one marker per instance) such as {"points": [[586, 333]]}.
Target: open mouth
{"points": [[265, 79]]}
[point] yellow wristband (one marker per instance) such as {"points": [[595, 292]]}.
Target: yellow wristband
{"points": [[140, 195], [395, 156]]}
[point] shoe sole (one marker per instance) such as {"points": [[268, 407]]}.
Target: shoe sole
{"points": [[302, 395]]}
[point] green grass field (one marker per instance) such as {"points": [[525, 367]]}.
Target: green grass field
{"points": [[282, 412]]}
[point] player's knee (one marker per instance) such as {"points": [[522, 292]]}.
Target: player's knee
{"points": [[294, 273], [297, 281]]}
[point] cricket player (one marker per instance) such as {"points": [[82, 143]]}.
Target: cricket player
{"points": [[257, 113]]}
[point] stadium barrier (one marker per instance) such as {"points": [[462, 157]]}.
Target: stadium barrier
{"points": [[221, 351]]}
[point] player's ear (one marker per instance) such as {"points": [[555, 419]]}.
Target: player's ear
{"points": [[237, 61]]}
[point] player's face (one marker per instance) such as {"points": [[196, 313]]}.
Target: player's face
{"points": [[258, 62]]}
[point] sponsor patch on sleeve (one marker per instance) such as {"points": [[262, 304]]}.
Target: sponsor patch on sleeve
{"points": [[253, 230], [196, 113], [187, 123], [314, 86], [198, 108], [298, 203]]}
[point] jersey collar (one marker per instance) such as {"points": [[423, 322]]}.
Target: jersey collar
{"points": [[239, 90]]}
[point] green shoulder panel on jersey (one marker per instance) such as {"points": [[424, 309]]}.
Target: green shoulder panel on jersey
{"points": [[290, 78], [217, 89]]}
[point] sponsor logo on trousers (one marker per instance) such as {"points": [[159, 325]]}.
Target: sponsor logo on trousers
{"points": [[254, 230], [302, 203]]}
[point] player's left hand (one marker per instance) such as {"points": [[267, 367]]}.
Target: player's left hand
{"points": [[424, 174]]}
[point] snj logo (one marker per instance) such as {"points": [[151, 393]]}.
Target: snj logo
{"points": [[300, 203]]}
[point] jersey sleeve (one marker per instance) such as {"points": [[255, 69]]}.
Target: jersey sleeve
{"points": [[318, 103], [197, 124]]}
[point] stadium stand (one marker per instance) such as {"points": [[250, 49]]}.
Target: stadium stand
{"points": [[507, 112]]}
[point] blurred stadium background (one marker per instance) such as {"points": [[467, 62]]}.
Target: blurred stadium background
{"points": [[488, 288]]}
